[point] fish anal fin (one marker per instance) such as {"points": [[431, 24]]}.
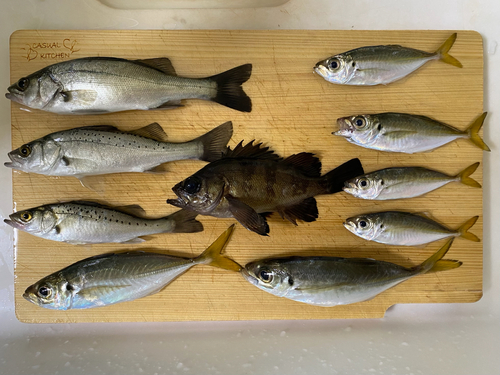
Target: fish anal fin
{"points": [[159, 169], [153, 131], [307, 211], [163, 64], [251, 151], [247, 216], [306, 162]]}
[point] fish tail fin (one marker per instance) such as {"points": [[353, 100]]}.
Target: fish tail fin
{"points": [[473, 132], [464, 178], [213, 254], [435, 262], [463, 230], [336, 178], [229, 90], [215, 141], [184, 222], [443, 54]]}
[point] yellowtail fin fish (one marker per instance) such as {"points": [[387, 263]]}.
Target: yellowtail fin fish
{"points": [[330, 281], [375, 65], [113, 278], [404, 228]]}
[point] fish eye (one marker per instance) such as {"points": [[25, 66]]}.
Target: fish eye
{"points": [[23, 84], [26, 216], [266, 276], [44, 292], [363, 224], [363, 183], [333, 64], [25, 150], [192, 185], [359, 122]]}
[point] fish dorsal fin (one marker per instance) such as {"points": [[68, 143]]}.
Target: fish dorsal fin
{"points": [[132, 209], [102, 128], [251, 151], [306, 162], [162, 64], [153, 131]]}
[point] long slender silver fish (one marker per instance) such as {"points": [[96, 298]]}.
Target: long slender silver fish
{"points": [[331, 281], [404, 228], [94, 85], [405, 182], [112, 278], [81, 222], [401, 132], [95, 150], [375, 65]]}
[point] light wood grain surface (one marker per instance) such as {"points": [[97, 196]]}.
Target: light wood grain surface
{"points": [[294, 110]]}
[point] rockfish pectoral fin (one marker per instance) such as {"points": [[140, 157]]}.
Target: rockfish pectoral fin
{"points": [[247, 216]]}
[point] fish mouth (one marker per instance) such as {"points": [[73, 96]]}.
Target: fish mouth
{"points": [[349, 187], [9, 164], [250, 278], [345, 127], [12, 96], [178, 202], [350, 226], [13, 223], [320, 70]]}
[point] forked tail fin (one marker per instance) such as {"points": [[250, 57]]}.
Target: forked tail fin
{"points": [[229, 90], [435, 263], [464, 178], [213, 254], [473, 132], [463, 230], [443, 54]]}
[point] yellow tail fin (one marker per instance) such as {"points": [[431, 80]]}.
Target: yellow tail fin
{"points": [[465, 227], [473, 132], [435, 262], [443, 54], [213, 254], [464, 178]]}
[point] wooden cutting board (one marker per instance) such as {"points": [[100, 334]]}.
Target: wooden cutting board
{"points": [[294, 110]]}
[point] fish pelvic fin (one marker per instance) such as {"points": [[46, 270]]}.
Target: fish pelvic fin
{"points": [[336, 178], [464, 178], [443, 54], [229, 90], [184, 222], [215, 141], [463, 230], [212, 256], [473, 132], [435, 263]]}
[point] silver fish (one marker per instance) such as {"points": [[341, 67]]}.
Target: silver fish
{"points": [[331, 281], [405, 182], [401, 132], [95, 150], [375, 65], [94, 85], [404, 228], [112, 278], [81, 222]]}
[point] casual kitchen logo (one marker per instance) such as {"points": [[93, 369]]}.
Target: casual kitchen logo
{"points": [[50, 50]]}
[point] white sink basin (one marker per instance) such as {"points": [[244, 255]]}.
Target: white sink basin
{"points": [[190, 4]]}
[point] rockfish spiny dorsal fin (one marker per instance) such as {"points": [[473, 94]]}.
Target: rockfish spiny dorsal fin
{"points": [[251, 151]]}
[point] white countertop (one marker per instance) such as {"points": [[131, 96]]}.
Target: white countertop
{"points": [[411, 339]]}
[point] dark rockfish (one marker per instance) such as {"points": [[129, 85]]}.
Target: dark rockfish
{"points": [[251, 181], [93, 85]]}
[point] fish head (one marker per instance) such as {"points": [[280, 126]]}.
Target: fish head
{"points": [[368, 186], [37, 221], [201, 192], [361, 129], [268, 275], [34, 91], [336, 69], [38, 156], [52, 292], [364, 226]]}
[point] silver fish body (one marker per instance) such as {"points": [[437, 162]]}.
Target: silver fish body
{"points": [[103, 84], [404, 182], [404, 228], [91, 223], [406, 133], [112, 278], [374, 65], [332, 281], [96, 150]]}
